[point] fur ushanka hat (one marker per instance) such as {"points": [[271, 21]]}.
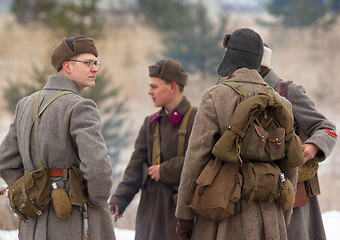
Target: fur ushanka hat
{"points": [[169, 70], [244, 48], [267, 54], [70, 47]]}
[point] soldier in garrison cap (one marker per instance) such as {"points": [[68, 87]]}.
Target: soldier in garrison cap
{"points": [[319, 137], [156, 163], [68, 135], [242, 59]]}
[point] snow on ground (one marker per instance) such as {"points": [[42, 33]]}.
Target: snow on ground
{"points": [[331, 221]]}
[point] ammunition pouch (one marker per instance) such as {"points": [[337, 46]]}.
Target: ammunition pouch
{"points": [[77, 191], [30, 195], [260, 182]]}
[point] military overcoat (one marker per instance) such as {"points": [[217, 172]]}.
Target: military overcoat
{"points": [[306, 221], [156, 211], [68, 134], [215, 110]]}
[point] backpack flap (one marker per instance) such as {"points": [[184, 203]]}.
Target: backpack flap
{"points": [[253, 143], [209, 173]]}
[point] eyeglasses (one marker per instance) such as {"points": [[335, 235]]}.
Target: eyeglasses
{"points": [[89, 63]]}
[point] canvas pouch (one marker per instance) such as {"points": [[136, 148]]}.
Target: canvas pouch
{"points": [[218, 189], [260, 181], [30, 195]]}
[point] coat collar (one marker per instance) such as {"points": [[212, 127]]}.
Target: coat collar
{"points": [[60, 83], [246, 75], [272, 79], [176, 115]]}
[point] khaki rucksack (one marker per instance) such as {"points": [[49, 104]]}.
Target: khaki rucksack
{"points": [[261, 137], [261, 130]]}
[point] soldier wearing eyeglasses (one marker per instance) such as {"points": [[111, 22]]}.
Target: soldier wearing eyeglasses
{"points": [[68, 135]]}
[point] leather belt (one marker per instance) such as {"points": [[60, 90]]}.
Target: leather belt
{"points": [[58, 173]]}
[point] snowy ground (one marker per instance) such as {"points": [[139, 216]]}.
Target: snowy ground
{"points": [[331, 221]]}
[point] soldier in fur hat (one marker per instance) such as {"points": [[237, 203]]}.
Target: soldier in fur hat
{"points": [[156, 164], [242, 59], [319, 137], [68, 135]]}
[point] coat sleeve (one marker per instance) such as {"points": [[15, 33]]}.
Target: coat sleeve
{"points": [[202, 139], [85, 130], [312, 123], [135, 173], [11, 166]]}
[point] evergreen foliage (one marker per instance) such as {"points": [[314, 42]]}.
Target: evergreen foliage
{"points": [[302, 13], [189, 36], [198, 47], [71, 17]]}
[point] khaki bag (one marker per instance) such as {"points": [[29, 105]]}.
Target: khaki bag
{"points": [[77, 192], [307, 171], [218, 189], [30, 195], [287, 195], [260, 181]]}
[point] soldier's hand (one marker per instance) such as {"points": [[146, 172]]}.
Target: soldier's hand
{"points": [[154, 172], [309, 151], [114, 209], [2, 189]]}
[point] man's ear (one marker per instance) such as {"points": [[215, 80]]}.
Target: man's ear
{"points": [[174, 87], [66, 67]]}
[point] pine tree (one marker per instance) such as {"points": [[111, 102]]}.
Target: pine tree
{"points": [[69, 18], [298, 13], [198, 46], [188, 35]]}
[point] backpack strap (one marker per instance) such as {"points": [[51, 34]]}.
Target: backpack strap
{"points": [[237, 88], [182, 132], [156, 149], [36, 114]]}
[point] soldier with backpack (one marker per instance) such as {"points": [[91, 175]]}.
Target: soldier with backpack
{"points": [[319, 136], [250, 218]]}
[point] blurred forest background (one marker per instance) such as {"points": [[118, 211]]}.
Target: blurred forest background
{"points": [[132, 34]]}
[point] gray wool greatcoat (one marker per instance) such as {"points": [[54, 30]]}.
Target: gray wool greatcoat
{"points": [[156, 211], [215, 110], [306, 222], [68, 134]]}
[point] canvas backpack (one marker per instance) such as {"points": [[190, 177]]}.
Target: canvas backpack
{"points": [[261, 137], [261, 129]]}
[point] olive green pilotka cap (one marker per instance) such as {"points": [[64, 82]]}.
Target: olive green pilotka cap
{"points": [[169, 70], [70, 47]]}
